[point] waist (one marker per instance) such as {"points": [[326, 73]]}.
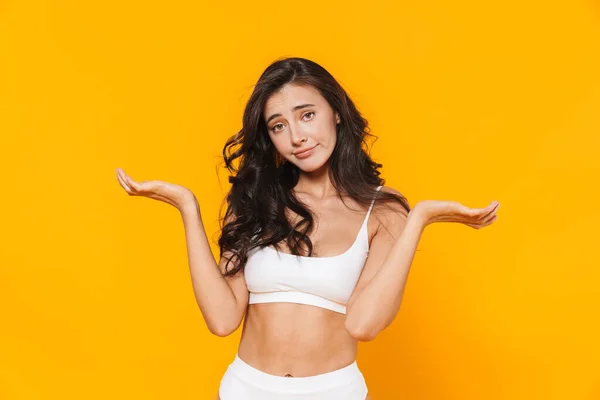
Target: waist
{"points": [[251, 374], [283, 338]]}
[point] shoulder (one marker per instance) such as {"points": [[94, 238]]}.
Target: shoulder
{"points": [[389, 189], [393, 207], [391, 215]]}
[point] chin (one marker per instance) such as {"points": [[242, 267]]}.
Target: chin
{"points": [[310, 165]]}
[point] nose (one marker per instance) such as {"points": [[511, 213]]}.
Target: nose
{"points": [[297, 136]]}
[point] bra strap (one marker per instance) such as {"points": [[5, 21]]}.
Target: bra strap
{"points": [[370, 207]]}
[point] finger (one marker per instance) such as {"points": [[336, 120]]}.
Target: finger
{"points": [[133, 184], [492, 211], [494, 205], [486, 223], [477, 213], [128, 179], [482, 213], [121, 174], [491, 217], [124, 184], [143, 187]]}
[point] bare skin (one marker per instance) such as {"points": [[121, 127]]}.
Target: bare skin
{"points": [[298, 340], [294, 339], [304, 340], [288, 339]]}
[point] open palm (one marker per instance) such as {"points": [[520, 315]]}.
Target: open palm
{"points": [[170, 193], [453, 211]]}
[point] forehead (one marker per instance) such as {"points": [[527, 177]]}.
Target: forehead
{"points": [[291, 95]]}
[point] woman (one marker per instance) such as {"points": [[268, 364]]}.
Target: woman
{"points": [[314, 251]]}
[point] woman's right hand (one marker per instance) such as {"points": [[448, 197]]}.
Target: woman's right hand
{"points": [[170, 193]]}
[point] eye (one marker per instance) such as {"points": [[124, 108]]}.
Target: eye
{"points": [[274, 126], [310, 112]]}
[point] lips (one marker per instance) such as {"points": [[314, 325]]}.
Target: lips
{"points": [[305, 150]]}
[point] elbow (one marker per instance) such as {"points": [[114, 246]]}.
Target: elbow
{"points": [[221, 332], [361, 334], [224, 330]]}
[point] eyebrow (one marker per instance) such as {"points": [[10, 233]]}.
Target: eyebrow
{"points": [[293, 109]]}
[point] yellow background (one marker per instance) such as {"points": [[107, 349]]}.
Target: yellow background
{"points": [[472, 101]]}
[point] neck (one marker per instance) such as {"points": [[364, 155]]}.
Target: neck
{"points": [[316, 183]]}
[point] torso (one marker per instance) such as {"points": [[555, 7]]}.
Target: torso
{"points": [[303, 340]]}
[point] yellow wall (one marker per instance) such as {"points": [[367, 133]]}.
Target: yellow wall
{"points": [[472, 101]]}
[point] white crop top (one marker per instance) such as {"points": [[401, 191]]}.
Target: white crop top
{"points": [[327, 282]]}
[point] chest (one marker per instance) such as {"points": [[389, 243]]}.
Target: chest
{"points": [[335, 228], [332, 278]]}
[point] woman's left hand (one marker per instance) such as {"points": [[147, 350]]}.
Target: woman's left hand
{"points": [[451, 211]]}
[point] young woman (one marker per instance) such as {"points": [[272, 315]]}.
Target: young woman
{"points": [[314, 250]]}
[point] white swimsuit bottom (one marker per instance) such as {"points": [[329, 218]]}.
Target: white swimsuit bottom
{"points": [[244, 382]]}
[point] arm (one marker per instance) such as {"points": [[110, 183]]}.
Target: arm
{"points": [[222, 301], [377, 297], [378, 294]]}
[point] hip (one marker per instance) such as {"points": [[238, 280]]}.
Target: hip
{"points": [[242, 381]]}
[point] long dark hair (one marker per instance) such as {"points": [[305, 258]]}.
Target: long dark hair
{"points": [[262, 183]]}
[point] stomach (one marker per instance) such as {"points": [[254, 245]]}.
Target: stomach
{"points": [[295, 339]]}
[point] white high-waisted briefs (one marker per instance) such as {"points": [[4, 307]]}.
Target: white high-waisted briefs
{"points": [[244, 382]]}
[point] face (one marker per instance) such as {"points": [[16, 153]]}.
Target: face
{"points": [[298, 118]]}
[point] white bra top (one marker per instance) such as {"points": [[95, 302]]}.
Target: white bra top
{"points": [[327, 282]]}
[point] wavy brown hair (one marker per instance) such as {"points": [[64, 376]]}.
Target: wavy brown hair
{"points": [[262, 182]]}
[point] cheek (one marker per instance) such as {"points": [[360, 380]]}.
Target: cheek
{"points": [[323, 133], [279, 144], [329, 135], [333, 137]]}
